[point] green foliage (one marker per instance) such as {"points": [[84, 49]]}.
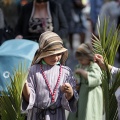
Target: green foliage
{"points": [[10, 102], [107, 44]]}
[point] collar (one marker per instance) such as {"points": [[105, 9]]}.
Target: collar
{"points": [[44, 63]]}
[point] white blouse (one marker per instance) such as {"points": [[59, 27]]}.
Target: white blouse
{"points": [[114, 70], [117, 93]]}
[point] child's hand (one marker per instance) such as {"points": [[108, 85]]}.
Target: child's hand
{"points": [[81, 72], [78, 71], [78, 87], [67, 89]]}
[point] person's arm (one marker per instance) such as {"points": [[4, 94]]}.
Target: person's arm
{"points": [[117, 95], [67, 89], [18, 27], [63, 26], [2, 25], [26, 92], [114, 70], [110, 67], [92, 75], [70, 95], [114, 9], [1, 19], [100, 61], [82, 72]]}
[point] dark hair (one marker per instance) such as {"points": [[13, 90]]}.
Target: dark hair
{"points": [[82, 53]]}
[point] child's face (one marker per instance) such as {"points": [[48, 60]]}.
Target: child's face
{"points": [[53, 59], [84, 60]]}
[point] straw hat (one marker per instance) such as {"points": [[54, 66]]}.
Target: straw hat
{"points": [[50, 44], [85, 50]]}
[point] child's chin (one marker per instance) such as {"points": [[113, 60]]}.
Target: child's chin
{"points": [[53, 63]]}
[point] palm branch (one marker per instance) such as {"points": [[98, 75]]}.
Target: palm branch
{"points": [[10, 102], [107, 44]]}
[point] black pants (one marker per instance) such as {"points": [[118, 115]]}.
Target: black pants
{"points": [[1, 36]]}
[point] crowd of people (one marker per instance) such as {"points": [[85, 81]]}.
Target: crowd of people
{"points": [[51, 24], [65, 21]]}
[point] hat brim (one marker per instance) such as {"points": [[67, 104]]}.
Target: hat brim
{"points": [[49, 53]]}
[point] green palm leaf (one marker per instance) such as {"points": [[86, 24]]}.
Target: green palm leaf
{"points": [[107, 44], [10, 102]]}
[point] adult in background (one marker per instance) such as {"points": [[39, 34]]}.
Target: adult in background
{"points": [[95, 7], [76, 24], [110, 11], [1, 26], [39, 16]]}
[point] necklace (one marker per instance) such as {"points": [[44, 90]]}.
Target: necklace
{"points": [[48, 85]]}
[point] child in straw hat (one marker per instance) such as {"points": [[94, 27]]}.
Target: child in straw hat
{"points": [[50, 86], [90, 104]]}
